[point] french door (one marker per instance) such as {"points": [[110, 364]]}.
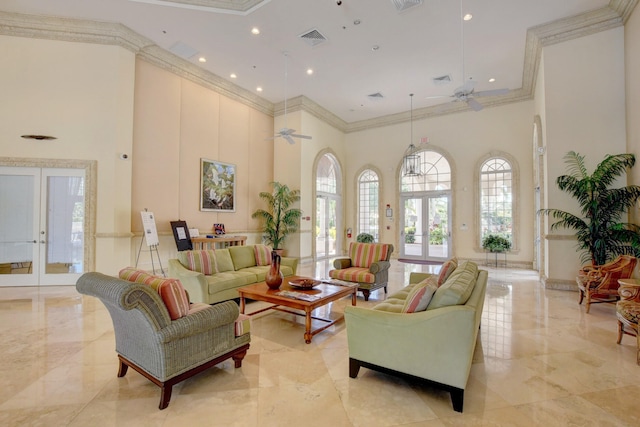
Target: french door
{"points": [[326, 226], [426, 233], [41, 226]]}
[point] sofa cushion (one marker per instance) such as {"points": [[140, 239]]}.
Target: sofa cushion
{"points": [[242, 256], [365, 254], [202, 261], [170, 290], [446, 270], [229, 280], [353, 274], [420, 296], [262, 254], [223, 258], [458, 287], [395, 302]]}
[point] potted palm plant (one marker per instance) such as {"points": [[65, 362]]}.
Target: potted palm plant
{"points": [[279, 218], [599, 228]]}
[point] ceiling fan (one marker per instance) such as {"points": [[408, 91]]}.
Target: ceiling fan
{"points": [[466, 92], [287, 133]]}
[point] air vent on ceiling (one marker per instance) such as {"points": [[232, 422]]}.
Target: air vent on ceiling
{"points": [[402, 5], [313, 37], [183, 50], [442, 80], [375, 96]]}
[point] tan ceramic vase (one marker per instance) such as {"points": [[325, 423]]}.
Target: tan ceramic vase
{"points": [[274, 276]]}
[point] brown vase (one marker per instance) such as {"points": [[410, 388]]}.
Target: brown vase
{"points": [[274, 276]]}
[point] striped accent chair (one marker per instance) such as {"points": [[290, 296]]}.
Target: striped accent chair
{"points": [[368, 265], [162, 350]]}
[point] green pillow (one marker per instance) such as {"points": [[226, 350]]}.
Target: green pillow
{"points": [[457, 288], [223, 257]]}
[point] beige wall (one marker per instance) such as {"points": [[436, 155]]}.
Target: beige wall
{"points": [[177, 123], [83, 95], [632, 82], [584, 111]]}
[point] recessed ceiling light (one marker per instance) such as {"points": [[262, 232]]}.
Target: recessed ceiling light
{"points": [[259, 89], [375, 47], [202, 59], [467, 17], [356, 22], [233, 75], [255, 31], [491, 80], [309, 71]]}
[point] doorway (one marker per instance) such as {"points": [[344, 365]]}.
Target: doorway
{"points": [[42, 230], [425, 234]]}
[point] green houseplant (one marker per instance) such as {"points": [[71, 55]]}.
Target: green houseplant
{"points": [[279, 218], [496, 243], [601, 234], [365, 238]]}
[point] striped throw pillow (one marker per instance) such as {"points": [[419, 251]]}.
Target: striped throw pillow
{"points": [[365, 254], [174, 297], [263, 254], [170, 290], [446, 270], [420, 296], [202, 261]]}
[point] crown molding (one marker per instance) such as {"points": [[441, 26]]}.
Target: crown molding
{"points": [[613, 15], [73, 30], [234, 7]]}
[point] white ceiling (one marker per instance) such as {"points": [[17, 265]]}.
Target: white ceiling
{"points": [[414, 46]]}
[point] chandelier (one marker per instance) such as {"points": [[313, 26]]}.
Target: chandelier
{"points": [[411, 159]]}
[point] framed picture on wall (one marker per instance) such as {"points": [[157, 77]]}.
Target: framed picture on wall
{"points": [[217, 186]]}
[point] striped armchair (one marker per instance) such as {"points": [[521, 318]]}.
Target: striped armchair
{"points": [[368, 265], [163, 350]]}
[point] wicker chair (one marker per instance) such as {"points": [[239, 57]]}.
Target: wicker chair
{"points": [[165, 351], [628, 312], [600, 283]]}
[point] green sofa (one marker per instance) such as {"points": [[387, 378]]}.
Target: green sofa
{"points": [[436, 345], [236, 268]]}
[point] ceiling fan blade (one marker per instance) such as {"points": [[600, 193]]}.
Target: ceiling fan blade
{"points": [[272, 138], [289, 139], [475, 105], [437, 97], [300, 136], [492, 92]]}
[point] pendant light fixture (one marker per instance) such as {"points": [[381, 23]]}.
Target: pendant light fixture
{"points": [[411, 160]]}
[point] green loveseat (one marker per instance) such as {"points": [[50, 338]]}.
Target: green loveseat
{"points": [[436, 345], [236, 267]]}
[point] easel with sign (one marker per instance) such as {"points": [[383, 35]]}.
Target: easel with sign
{"points": [[151, 237]]}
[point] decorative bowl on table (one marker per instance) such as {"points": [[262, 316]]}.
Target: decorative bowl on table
{"points": [[304, 283]]}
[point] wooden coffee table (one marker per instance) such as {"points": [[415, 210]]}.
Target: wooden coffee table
{"points": [[325, 292]]}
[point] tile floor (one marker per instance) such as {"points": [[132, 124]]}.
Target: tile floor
{"points": [[540, 360]]}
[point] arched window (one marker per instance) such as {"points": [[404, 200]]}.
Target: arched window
{"points": [[369, 203], [496, 198]]}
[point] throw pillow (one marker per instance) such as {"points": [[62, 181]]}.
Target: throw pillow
{"points": [[202, 261], [458, 287], [174, 297], [263, 254], [420, 296], [446, 270], [171, 291]]}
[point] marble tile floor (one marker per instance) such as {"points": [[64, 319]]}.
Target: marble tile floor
{"points": [[540, 361]]}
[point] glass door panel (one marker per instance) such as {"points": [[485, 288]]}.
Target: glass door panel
{"points": [[321, 227], [19, 196], [326, 226], [62, 219], [412, 233], [439, 232]]}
